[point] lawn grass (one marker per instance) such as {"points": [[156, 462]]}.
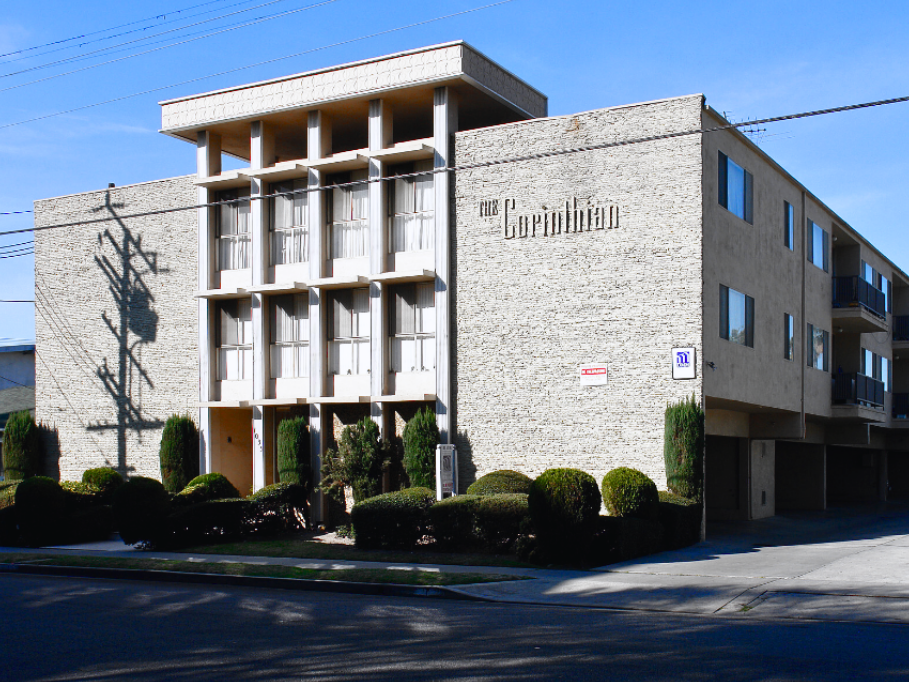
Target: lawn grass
{"points": [[360, 575], [299, 546]]}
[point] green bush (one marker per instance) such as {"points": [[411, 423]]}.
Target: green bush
{"points": [[394, 520], [140, 509], [9, 529], [421, 436], [81, 495], [211, 521], [564, 506], [503, 481], [681, 520], [21, 446], [294, 463], [453, 521], [683, 449], [280, 507], [90, 524], [628, 492], [8, 493], [358, 463], [179, 454], [207, 487], [40, 504], [105, 479], [490, 522], [637, 538]]}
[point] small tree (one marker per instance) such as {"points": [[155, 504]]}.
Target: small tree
{"points": [[21, 446], [421, 436], [683, 449], [358, 463], [179, 452], [294, 465]]}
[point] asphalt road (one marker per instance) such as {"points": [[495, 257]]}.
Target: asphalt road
{"points": [[66, 629]]}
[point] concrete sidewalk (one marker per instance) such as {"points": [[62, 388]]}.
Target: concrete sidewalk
{"points": [[848, 564]]}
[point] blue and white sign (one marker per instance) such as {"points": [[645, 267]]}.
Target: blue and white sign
{"points": [[683, 363]]}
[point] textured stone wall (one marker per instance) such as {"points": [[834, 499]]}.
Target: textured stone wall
{"points": [[116, 324], [527, 311]]}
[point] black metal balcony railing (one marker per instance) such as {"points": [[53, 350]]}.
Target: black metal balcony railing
{"points": [[858, 389], [901, 405], [855, 291], [901, 327]]}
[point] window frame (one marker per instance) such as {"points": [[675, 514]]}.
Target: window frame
{"points": [[419, 336], [232, 241], [825, 245], [788, 337], [747, 337], [229, 312], [357, 338], [825, 353], [299, 341], [300, 227], [789, 226], [352, 222], [747, 189], [425, 216]]}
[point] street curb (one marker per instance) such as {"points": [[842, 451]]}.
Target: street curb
{"points": [[296, 584]]}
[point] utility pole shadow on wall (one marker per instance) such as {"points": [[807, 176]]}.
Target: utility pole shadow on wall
{"points": [[134, 324]]}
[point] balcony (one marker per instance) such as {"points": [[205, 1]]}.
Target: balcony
{"points": [[858, 307], [857, 397], [900, 331]]}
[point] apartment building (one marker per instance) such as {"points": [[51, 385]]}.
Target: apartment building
{"points": [[547, 305]]}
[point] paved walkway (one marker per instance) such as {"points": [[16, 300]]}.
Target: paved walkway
{"points": [[848, 564]]}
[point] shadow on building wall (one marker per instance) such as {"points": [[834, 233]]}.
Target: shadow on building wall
{"points": [[133, 323]]}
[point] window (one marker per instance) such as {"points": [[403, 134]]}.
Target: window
{"points": [[736, 189], [413, 328], [235, 340], [818, 246], [233, 230], [736, 317], [788, 225], [788, 337], [290, 336], [349, 328], [289, 233], [878, 281], [349, 225], [411, 202], [876, 367], [818, 348]]}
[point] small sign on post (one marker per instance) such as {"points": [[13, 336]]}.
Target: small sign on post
{"points": [[446, 470]]}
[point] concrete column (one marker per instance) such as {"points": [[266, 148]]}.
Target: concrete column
{"points": [[379, 138], [319, 145], [884, 480], [208, 163], [762, 488], [445, 124]]}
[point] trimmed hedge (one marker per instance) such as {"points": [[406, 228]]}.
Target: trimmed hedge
{"points": [[280, 507], [205, 488], [211, 521], [681, 520], [105, 479], [40, 505], [395, 520], [630, 493], [140, 509], [81, 495], [683, 449], [8, 493], [21, 446], [421, 435], [564, 507], [294, 462], [453, 521], [502, 481], [179, 454], [9, 528]]}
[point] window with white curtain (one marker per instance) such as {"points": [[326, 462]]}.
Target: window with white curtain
{"points": [[413, 328], [235, 358], [289, 336], [411, 204], [232, 226], [289, 231], [348, 346], [349, 213]]}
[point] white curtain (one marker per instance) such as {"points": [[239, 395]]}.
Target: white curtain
{"points": [[349, 230], [290, 336], [233, 233], [412, 225], [349, 346], [413, 343], [290, 235]]}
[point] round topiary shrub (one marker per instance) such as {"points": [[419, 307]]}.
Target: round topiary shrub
{"points": [[213, 486], [141, 506], [499, 482], [104, 479], [179, 452], [629, 493], [564, 506], [21, 446], [40, 505], [294, 463]]}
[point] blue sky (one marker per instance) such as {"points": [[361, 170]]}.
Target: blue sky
{"points": [[750, 60]]}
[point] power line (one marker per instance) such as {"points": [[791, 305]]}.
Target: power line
{"points": [[2, 300], [30, 253], [483, 164], [105, 30], [252, 66], [115, 35], [30, 242], [15, 212], [13, 381], [163, 47]]}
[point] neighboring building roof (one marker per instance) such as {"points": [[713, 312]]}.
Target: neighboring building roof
{"points": [[13, 345], [16, 399]]}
